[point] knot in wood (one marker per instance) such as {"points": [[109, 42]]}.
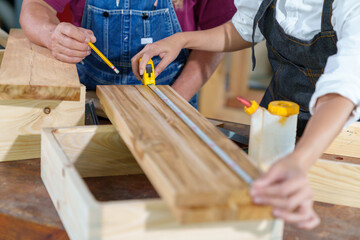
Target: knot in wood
{"points": [[47, 110]]}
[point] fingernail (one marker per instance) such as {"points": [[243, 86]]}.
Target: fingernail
{"points": [[87, 40], [156, 74], [142, 72], [276, 213]]}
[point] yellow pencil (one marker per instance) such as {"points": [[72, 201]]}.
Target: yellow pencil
{"points": [[104, 58]]}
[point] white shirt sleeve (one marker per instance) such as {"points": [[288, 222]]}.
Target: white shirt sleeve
{"points": [[342, 71], [243, 19]]}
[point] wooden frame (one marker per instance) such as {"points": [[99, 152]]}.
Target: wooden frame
{"points": [[68, 154]]}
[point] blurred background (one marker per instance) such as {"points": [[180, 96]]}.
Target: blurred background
{"points": [[9, 13]]}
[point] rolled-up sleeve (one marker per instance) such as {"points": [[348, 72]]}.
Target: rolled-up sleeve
{"points": [[342, 71], [243, 19], [57, 4]]}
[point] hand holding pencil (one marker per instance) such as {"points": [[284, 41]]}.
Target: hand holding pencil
{"points": [[69, 43]]}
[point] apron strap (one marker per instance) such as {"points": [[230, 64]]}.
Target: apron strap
{"points": [[260, 13], [326, 16]]}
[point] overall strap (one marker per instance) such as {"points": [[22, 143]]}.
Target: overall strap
{"points": [[326, 16], [260, 13]]}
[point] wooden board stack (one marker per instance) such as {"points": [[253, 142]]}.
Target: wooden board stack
{"points": [[195, 183], [335, 177], [36, 91]]}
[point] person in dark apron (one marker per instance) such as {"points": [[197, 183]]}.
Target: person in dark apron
{"points": [[297, 66]]}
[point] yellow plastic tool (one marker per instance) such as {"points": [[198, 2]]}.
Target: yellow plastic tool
{"points": [[149, 75], [283, 108]]}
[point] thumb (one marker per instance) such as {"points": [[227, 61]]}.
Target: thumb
{"points": [[274, 174]]}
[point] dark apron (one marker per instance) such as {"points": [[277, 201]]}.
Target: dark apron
{"points": [[122, 28], [296, 64]]}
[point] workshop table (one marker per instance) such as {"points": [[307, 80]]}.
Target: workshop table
{"points": [[26, 210]]}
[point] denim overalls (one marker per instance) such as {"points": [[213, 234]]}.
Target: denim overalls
{"points": [[122, 28], [296, 64]]}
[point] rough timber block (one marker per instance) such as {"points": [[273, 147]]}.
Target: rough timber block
{"points": [[29, 71], [68, 154], [21, 120], [335, 177]]}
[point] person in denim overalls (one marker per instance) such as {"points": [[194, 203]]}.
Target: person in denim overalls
{"points": [[301, 61], [122, 28], [297, 65]]}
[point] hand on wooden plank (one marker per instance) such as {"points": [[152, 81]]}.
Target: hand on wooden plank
{"points": [[69, 43], [286, 188]]}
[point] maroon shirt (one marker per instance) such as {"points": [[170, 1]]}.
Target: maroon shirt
{"points": [[195, 14]]}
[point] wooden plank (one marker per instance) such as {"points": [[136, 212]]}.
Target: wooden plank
{"points": [[84, 218], [29, 71], [76, 207], [151, 220], [336, 182], [184, 171], [335, 178], [21, 122], [347, 143]]}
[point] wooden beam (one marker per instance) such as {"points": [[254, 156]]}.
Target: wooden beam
{"points": [[347, 143], [21, 121], [29, 71], [335, 178], [182, 168]]}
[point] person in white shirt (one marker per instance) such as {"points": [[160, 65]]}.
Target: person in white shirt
{"points": [[314, 50]]}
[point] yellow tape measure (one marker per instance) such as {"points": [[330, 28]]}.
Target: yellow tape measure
{"points": [[149, 75]]}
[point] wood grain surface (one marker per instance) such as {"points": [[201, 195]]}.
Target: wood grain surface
{"points": [[347, 142], [21, 121], [24, 203], [26, 210], [184, 171], [29, 71]]}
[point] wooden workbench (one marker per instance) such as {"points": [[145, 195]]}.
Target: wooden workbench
{"points": [[26, 211]]}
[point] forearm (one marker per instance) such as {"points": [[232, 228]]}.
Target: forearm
{"points": [[38, 20], [223, 38], [198, 69], [331, 113]]}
